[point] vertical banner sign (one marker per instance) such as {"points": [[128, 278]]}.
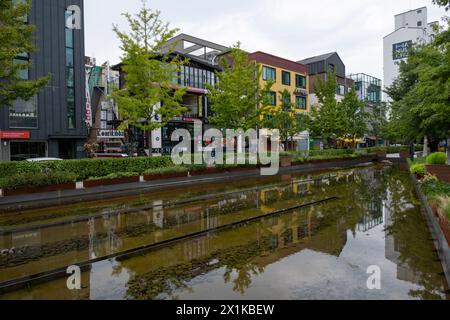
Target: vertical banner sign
{"points": [[88, 102]]}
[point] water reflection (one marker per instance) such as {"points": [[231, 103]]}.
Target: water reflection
{"points": [[316, 252]]}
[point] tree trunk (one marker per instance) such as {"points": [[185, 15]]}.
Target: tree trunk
{"points": [[425, 146]]}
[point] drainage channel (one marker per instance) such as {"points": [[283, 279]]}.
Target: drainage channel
{"points": [[15, 284]]}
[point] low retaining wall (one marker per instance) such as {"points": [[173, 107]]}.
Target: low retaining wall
{"points": [[438, 235]]}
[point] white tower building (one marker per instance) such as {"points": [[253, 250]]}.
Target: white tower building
{"points": [[411, 27]]}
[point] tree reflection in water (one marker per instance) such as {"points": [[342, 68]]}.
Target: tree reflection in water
{"points": [[363, 195]]}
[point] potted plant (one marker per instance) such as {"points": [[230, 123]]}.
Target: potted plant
{"points": [[436, 165], [380, 152], [404, 153], [285, 159]]}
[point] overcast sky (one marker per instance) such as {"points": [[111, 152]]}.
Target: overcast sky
{"points": [[292, 29]]}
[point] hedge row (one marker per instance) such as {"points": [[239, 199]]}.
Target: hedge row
{"points": [[85, 168]]}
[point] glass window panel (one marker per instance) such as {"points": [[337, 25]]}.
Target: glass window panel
{"points": [[69, 57], [23, 114], [23, 73], [70, 77], [69, 38], [300, 102], [286, 78]]}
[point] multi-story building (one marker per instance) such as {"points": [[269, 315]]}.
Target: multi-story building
{"points": [[286, 75], [369, 90], [411, 27], [194, 75], [53, 123], [319, 67]]}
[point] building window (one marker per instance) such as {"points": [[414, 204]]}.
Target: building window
{"points": [[269, 74], [272, 98], [27, 150], [23, 114], [70, 72], [300, 102], [286, 99], [331, 67], [286, 78], [419, 23], [300, 81], [419, 11], [340, 90]]}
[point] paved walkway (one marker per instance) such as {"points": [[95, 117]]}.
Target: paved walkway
{"points": [[39, 200]]}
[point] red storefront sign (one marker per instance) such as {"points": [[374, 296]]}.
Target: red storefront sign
{"points": [[15, 135]]}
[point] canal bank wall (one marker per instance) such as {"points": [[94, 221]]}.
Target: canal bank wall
{"points": [[65, 197], [438, 236]]}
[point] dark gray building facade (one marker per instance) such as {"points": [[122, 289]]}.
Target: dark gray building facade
{"points": [[53, 123], [319, 66]]}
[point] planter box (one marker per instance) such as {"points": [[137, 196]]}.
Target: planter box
{"points": [[381, 154], [239, 169], [109, 182], [442, 172], [445, 226], [207, 171], [404, 154], [165, 176], [285, 161], [29, 190]]}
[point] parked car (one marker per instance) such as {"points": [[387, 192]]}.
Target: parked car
{"points": [[111, 155], [43, 159]]}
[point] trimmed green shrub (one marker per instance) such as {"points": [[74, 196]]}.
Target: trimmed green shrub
{"points": [[38, 179], [117, 175], [418, 169], [437, 158], [86, 168], [166, 170]]}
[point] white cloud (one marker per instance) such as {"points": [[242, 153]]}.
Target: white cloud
{"points": [[293, 29]]}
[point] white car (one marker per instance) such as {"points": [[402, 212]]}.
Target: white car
{"points": [[43, 159]]}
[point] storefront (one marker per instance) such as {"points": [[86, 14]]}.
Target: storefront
{"points": [[16, 146]]}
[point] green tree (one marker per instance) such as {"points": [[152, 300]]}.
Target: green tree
{"points": [[355, 116], [238, 99], [443, 3], [16, 39], [281, 119], [327, 117], [421, 103], [377, 121], [149, 99]]}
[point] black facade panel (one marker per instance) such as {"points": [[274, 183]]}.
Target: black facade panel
{"points": [[50, 58]]}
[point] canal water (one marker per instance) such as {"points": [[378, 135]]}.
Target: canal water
{"points": [[344, 233]]}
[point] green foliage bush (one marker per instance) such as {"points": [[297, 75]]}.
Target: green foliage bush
{"points": [[437, 158], [86, 168], [117, 175], [38, 179], [418, 169], [173, 169], [432, 187]]}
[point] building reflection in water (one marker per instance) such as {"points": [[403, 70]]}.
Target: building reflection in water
{"points": [[364, 196]]}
